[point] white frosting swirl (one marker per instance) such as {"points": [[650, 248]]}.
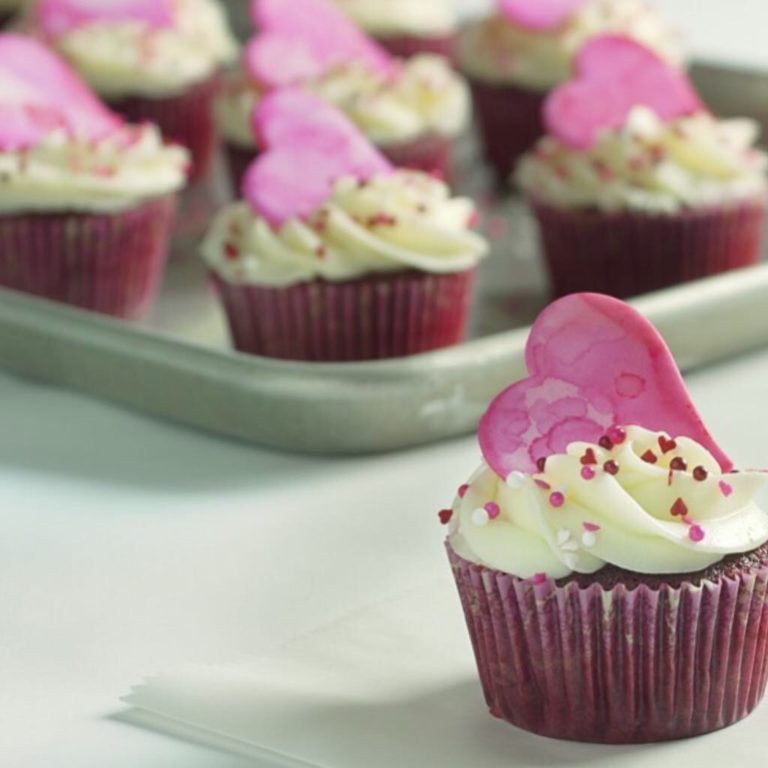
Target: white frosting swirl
{"points": [[403, 220], [425, 97], [647, 518], [499, 51], [430, 18], [649, 165], [63, 173], [129, 58]]}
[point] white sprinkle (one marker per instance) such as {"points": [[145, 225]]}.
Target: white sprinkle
{"points": [[571, 561], [480, 518], [570, 546], [563, 535], [515, 480], [588, 539]]}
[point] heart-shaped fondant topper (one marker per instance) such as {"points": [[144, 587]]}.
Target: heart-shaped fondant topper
{"points": [[299, 40], [57, 17], [594, 363], [540, 15], [309, 146], [39, 93], [613, 75]]}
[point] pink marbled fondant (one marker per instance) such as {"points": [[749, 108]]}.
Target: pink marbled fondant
{"points": [[613, 75], [582, 353], [539, 14], [310, 145], [40, 93], [57, 17]]}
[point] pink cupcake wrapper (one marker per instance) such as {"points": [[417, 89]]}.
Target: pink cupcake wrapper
{"points": [[186, 119], [110, 263], [509, 122], [629, 253], [374, 317], [406, 46], [618, 666]]}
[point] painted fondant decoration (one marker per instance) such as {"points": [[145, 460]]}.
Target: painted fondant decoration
{"points": [[299, 40], [613, 75], [540, 14], [57, 17], [39, 93], [595, 364], [309, 146]]}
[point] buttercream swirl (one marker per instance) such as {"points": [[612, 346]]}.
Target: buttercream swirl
{"points": [[497, 50], [650, 165], [402, 220], [424, 97], [430, 18], [126, 58], [65, 173], [659, 512]]}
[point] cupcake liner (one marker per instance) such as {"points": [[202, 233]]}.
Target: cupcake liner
{"points": [[629, 253], [509, 122], [406, 46], [620, 666], [374, 317], [431, 153], [186, 119], [110, 263]]}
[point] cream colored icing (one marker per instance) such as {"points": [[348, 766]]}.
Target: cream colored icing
{"points": [[430, 18], [403, 220], [624, 519], [497, 50], [692, 162], [425, 97], [70, 174], [131, 58]]}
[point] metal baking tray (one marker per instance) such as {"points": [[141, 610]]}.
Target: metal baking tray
{"points": [[177, 364]]}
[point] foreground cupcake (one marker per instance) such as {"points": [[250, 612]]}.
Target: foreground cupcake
{"points": [[405, 27], [612, 566], [86, 201], [334, 254], [411, 110], [157, 61], [635, 198], [515, 57]]}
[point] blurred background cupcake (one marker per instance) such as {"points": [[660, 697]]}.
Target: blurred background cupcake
{"points": [[335, 255], [631, 198], [405, 27], [413, 110], [514, 57], [157, 61], [87, 200], [9, 9]]}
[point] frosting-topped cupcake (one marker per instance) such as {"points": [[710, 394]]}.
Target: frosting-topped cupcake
{"points": [[74, 180], [606, 551], [326, 217], [410, 109], [631, 149]]}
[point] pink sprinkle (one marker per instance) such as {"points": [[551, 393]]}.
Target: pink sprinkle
{"points": [[696, 533], [587, 473], [591, 527], [493, 510], [557, 499], [545, 486], [617, 435], [687, 520], [726, 488], [463, 491], [539, 578]]}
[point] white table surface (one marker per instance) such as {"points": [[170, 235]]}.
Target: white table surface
{"points": [[128, 547]]}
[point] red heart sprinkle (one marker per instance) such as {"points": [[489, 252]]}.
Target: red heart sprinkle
{"points": [[666, 444], [445, 516], [589, 457], [679, 508], [650, 457]]}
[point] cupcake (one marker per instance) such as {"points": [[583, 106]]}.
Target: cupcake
{"points": [[612, 566], [634, 198], [86, 201], [515, 57], [412, 110], [335, 255], [156, 61], [406, 28]]}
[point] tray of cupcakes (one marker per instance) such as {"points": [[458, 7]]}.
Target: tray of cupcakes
{"points": [[356, 269]]}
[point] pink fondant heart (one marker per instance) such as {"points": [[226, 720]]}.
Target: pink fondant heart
{"points": [[299, 40], [38, 92], [309, 146], [613, 75], [540, 14], [57, 17], [594, 363]]}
